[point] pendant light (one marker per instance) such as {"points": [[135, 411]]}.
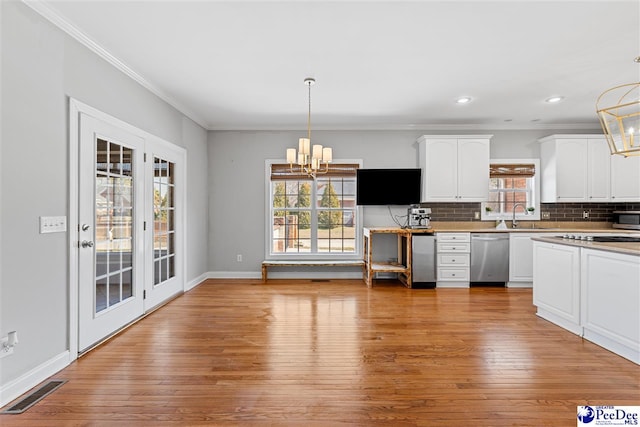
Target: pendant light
{"points": [[310, 158]]}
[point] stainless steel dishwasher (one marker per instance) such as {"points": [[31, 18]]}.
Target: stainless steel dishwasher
{"points": [[489, 258], [423, 261]]}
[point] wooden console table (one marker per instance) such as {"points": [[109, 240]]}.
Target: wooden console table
{"points": [[403, 264]]}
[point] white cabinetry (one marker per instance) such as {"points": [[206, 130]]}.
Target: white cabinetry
{"points": [[575, 168], [455, 168], [556, 284], [521, 259], [592, 293], [453, 259], [625, 178], [609, 306]]}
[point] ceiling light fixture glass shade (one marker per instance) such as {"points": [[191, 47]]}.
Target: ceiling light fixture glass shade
{"points": [[310, 159], [463, 100], [619, 111]]}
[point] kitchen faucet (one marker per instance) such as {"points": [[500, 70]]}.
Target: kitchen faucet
{"points": [[514, 222]]}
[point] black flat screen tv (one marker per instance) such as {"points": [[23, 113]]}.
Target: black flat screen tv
{"points": [[388, 187]]}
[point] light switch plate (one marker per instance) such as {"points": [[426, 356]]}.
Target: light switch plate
{"points": [[53, 224]]}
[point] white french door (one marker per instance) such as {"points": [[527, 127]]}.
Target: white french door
{"points": [[127, 209], [164, 194], [110, 229]]}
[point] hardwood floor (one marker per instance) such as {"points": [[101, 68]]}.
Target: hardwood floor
{"points": [[337, 353]]}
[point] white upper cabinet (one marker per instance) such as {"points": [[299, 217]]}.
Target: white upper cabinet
{"points": [[625, 179], [575, 168], [455, 168], [598, 170]]}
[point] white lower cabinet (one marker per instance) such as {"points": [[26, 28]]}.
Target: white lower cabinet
{"points": [[453, 260], [610, 297], [592, 293], [556, 284], [521, 259]]}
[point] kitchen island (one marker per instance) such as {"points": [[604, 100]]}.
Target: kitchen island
{"points": [[591, 289]]}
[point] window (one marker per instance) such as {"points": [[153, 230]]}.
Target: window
{"points": [[513, 185], [313, 217]]}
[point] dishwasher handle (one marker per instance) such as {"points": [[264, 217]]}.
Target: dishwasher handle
{"points": [[488, 239]]}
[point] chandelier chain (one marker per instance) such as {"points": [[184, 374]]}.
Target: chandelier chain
{"points": [[309, 113]]}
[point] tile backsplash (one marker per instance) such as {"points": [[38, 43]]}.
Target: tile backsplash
{"points": [[598, 212]]}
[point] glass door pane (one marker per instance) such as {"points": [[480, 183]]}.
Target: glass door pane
{"points": [[164, 251], [113, 224]]}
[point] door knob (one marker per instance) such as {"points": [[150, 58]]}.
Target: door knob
{"points": [[86, 244]]}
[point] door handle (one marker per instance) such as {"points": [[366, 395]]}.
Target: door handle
{"points": [[85, 227], [86, 244]]}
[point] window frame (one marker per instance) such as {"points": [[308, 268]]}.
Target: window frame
{"points": [[520, 214], [328, 256]]}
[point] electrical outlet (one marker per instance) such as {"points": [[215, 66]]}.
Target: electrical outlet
{"points": [[239, 257], [585, 214], [546, 215], [476, 215]]}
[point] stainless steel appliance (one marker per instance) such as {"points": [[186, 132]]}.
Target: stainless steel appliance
{"points": [[423, 261], [489, 258], [419, 217], [629, 220]]}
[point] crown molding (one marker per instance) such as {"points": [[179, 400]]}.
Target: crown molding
{"points": [[56, 19], [409, 127]]}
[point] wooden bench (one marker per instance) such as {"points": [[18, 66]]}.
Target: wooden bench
{"points": [[308, 263]]}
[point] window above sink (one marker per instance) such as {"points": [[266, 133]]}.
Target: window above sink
{"points": [[513, 185]]}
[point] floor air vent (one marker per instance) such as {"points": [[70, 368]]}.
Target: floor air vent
{"points": [[34, 397]]}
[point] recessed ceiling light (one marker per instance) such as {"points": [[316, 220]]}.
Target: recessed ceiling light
{"points": [[463, 100], [554, 99]]}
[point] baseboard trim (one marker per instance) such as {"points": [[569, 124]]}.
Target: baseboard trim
{"points": [[196, 282], [16, 388], [284, 275], [234, 275]]}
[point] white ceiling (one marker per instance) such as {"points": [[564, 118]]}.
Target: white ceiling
{"points": [[378, 64]]}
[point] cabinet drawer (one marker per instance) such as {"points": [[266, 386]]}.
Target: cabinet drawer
{"points": [[454, 247], [453, 237], [453, 274], [452, 260]]}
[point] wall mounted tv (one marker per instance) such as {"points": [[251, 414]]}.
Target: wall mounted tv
{"points": [[388, 186]]}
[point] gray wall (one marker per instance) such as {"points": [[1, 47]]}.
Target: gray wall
{"points": [[237, 179], [41, 68]]}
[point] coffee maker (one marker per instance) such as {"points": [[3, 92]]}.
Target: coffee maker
{"points": [[419, 217]]}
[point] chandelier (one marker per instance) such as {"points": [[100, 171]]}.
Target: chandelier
{"points": [[619, 111], [310, 159]]}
